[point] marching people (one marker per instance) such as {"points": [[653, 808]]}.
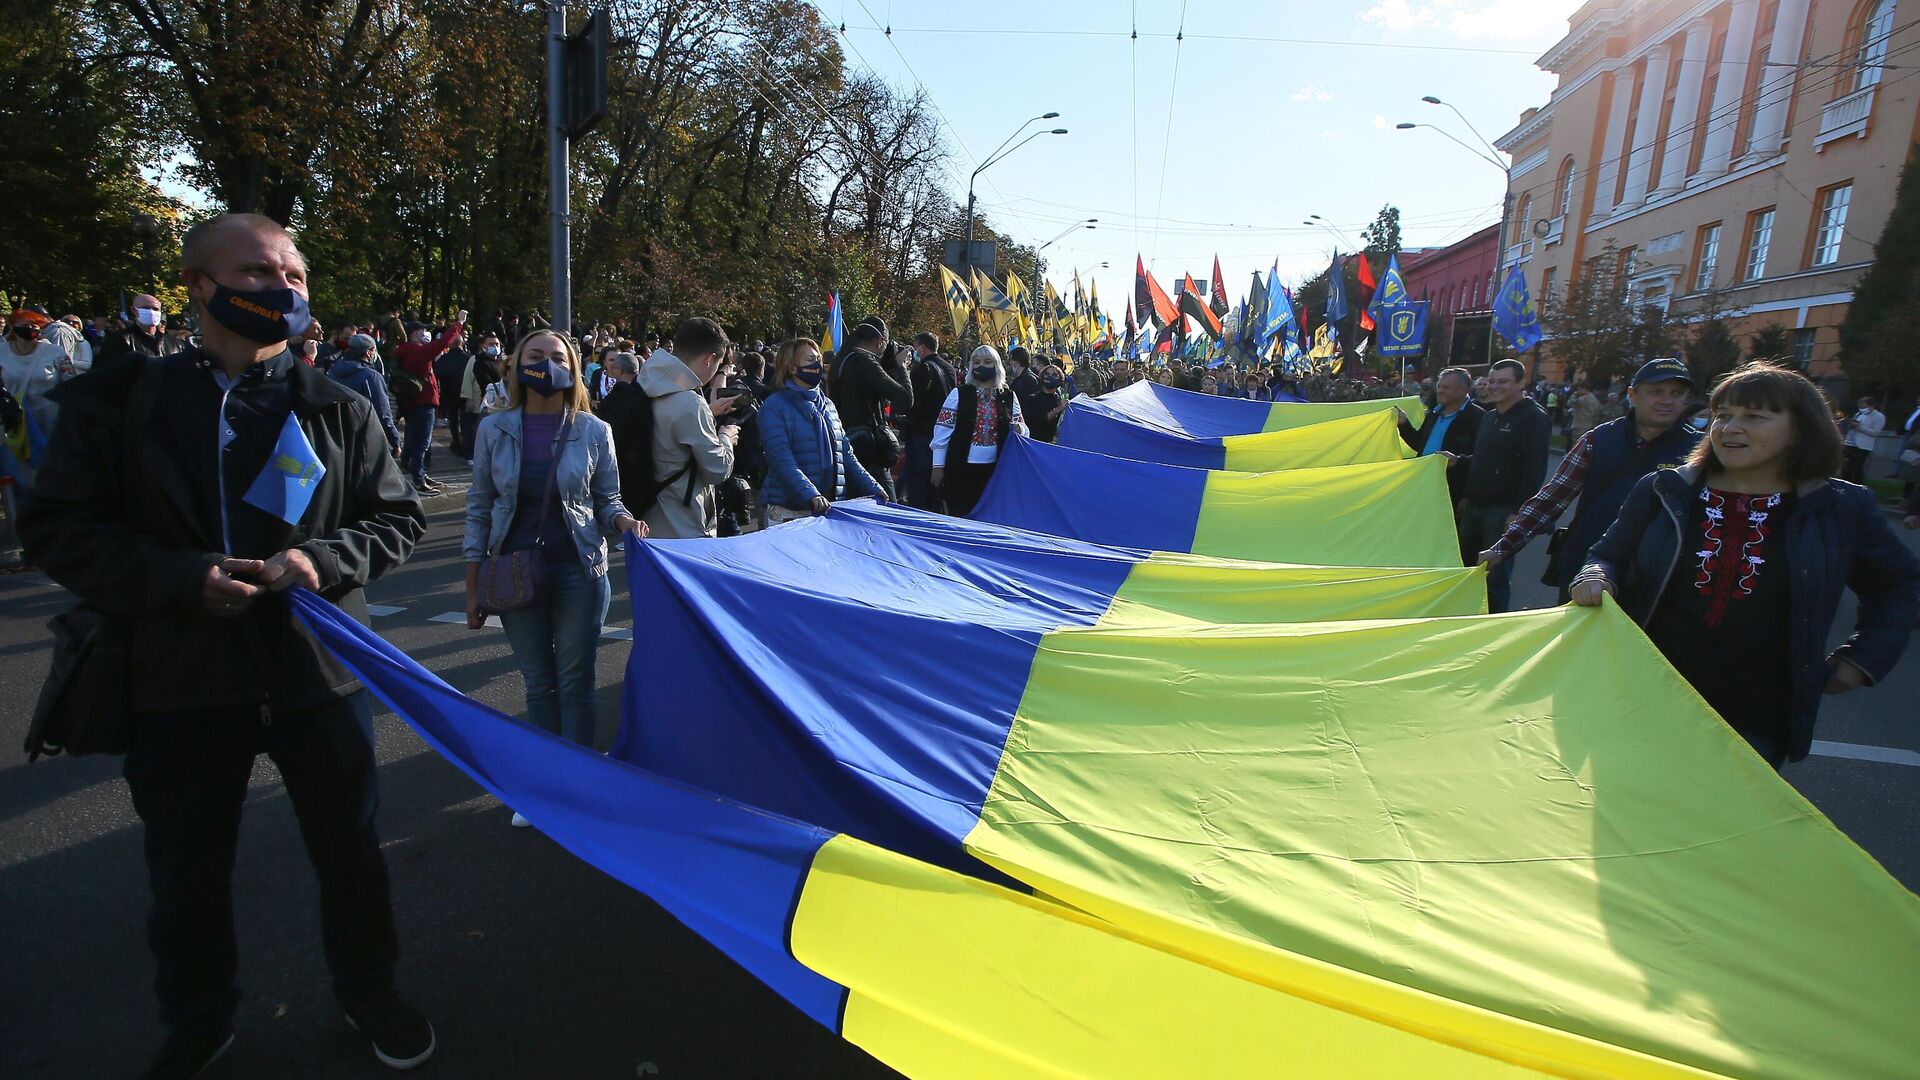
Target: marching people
{"points": [[1867, 424], [690, 453], [1735, 563], [147, 334], [126, 515], [30, 368], [983, 411], [1508, 462], [1449, 429], [416, 390], [349, 369], [1601, 467], [868, 378], [546, 482], [932, 379], [810, 461], [1043, 410]]}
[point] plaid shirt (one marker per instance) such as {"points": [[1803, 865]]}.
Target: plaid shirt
{"points": [[1538, 514]]}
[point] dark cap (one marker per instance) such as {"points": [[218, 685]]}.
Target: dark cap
{"points": [[1661, 370], [877, 323], [359, 344]]}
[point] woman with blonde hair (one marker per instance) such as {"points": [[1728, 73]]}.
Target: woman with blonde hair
{"points": [[984, 411], [810, 462], [545, 478]]}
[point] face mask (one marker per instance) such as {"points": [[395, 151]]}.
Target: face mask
{"points": [[1052, 384], [545, 377], [264, 316], [25, 332], [809, 375], [147, 317], [983, 374], [491, 350]]}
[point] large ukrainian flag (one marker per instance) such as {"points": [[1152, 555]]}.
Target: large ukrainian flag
{"points": [[922, 781], [1353, 440], [1183, 412], [1390, 513]]}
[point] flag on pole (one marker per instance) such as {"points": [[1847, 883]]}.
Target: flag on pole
{"points": [[1149, 297], [1194, 307], [1336, 291], [1513, 313], [1218, 301], [1278, 321], [958, 298], [1022, 299], [836, 333], [1365, 275], [993, 309]]}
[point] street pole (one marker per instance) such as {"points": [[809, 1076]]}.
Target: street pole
{"points": [[1499, 265], [558, 174]]}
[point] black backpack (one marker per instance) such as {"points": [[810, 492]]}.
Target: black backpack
{"points": [[630, 415]]}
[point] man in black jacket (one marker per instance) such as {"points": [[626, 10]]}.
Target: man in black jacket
{"points": [[1508, 462], [127, 514], [870, 377], [1450, 427], [933, 380], [147, 334]]}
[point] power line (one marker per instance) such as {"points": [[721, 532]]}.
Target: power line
{"points": [[1166, 141]]}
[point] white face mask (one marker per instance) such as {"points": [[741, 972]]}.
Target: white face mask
{"points": [[146, 317]]}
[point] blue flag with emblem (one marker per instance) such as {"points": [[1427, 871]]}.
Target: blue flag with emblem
{"points": [[293, 473], [1513, 314], [1403, 329], [1336, 292], [1392, 292]]}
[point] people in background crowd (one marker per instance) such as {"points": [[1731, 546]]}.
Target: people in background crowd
{"points": [[973, 424], [810, 461], [1508, 462], [691, 453]]}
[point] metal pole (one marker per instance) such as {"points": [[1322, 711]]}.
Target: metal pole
{"points": [[558, 202], [1499, 265]]}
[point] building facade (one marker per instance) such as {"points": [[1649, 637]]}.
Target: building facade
{"points": [[1455, 281], [1735, 154]]}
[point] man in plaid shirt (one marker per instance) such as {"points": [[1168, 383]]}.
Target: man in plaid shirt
{"points": [[1601, 468]]}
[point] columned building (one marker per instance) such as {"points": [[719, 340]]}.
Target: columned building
{"points": [[1744, 151]]}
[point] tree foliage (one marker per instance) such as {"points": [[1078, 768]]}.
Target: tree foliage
{"points": [[1383, 236], [1877, 340], [743, 171]]}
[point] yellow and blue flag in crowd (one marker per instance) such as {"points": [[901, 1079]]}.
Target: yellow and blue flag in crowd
{"points": [[959, 300], [1089, 424], [1403, 329], [1513, 313], [1206, 416], [292, 474], [835, 336], [1392, 292]]}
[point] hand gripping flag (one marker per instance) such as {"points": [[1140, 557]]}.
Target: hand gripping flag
{"points": [[293, 473], [1365, 276], [958, 298], [1392, 291], [836, 334], [1218, 301], [1513, 313]]}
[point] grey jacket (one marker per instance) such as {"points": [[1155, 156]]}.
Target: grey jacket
{"points": [[683, 434], [587, 486]]}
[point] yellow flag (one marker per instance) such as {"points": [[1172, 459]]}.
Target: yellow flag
{"points": [[958, 299]]}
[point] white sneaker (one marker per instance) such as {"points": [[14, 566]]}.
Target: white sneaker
{"points": [[520, 820]]}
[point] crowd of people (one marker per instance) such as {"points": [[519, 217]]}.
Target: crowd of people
{"points": [[1728, 540]]}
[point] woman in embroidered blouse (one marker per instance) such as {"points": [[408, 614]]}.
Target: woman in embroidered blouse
{"points": [[1735, 562]]}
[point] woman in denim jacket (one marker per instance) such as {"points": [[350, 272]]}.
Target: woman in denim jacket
{"points": [[547, 433], [1735, 562], [810, 463]]}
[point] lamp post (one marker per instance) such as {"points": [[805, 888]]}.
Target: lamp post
{"points": [[145, 229], [1039, 279], [1491, 157], [1000, 152], [1332, 230]]}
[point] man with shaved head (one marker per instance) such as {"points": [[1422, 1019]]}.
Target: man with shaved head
{"points": [[146, 334], [181, 495]]}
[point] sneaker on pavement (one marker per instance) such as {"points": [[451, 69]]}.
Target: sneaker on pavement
{"points": [[187, 1056], [401, 1037], [520, 821]]}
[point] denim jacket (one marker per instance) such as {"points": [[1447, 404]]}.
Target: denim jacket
{"points": [[587, 486]]}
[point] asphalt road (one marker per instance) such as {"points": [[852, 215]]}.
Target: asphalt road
{"points": [[530, 963]]}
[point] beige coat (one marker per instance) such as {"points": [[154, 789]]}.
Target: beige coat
{"points": [[683, 433]]}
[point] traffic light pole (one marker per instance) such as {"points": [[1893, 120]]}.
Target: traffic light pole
{"points": [[558, 144]]}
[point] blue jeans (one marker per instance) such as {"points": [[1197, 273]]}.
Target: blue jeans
{"points": [[915, 475], [556, 643], [419, 439]]}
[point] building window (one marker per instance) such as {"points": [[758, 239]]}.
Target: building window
{"points": [[1525, 219], [1759, 238], [1566, 187], [1833, 224], [1709, 258], [1871, 60], [1546, 287], [1629, 263], [1803, 346]]}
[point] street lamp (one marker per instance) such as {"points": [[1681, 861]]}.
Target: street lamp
{"points": [[1332, 230], [1039, 279], [1000, 152], [1491, 157], [145, 229]]}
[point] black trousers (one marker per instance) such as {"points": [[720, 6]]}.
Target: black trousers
{"points": [[188, 774], [963, 484]]}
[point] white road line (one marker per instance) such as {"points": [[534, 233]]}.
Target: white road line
{"points": [[461, 617], [618, 633], [1857, 752], [380, 610]]}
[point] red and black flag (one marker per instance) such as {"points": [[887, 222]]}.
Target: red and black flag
{"points": [[1367, 285], [1149, 297], [1193, 306], [1218, 301]]}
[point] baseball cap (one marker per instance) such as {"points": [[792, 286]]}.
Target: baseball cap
{"points": [[360, 344], [1661, 369]]}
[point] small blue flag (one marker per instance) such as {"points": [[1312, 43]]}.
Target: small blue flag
{"points": [[1392, 292], [1403, 329], [286, 485], [1336, 292], [1513, 314]]}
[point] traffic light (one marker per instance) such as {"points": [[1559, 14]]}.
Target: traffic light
{"points": [[587, 50]]}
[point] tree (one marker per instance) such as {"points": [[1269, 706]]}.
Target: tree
{"points": [[1713, 352], [1877, 341], [1772, 342], [1592, 325], [1383, 236]]}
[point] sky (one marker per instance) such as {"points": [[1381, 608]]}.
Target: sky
{"points": [[1281, 109]]}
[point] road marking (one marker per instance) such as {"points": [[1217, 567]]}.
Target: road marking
{"points": [[1857, 752], [618, 633], [380, 610], [461, 618]]}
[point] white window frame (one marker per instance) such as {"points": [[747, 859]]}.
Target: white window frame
{"points": [[1871, 60], [1759, 241], [1833, 224]]}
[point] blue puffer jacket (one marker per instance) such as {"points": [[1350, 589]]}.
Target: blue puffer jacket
{"points": [[1837, 538], [807, 451]]}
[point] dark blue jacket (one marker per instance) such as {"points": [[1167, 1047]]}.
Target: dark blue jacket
{"points": [[1616, 465], [366, 382], [1837, 538], [808, 454]]}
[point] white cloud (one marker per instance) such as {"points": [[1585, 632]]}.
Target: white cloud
{"points": [[1474, 19], [1313, 92], [1380, 121]]}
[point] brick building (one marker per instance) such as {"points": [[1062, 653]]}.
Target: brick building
{"points": [[1454, 280], [1745, 147]]}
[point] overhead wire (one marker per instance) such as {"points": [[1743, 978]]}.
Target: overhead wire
{"points": [[1166, 143]]}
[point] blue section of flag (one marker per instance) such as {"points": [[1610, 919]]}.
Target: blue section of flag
{"points": [[1513, 314], [1336, 292], [293, 474], [836, 327], [1403, 329], [1279, 318], [1392, 292]]}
